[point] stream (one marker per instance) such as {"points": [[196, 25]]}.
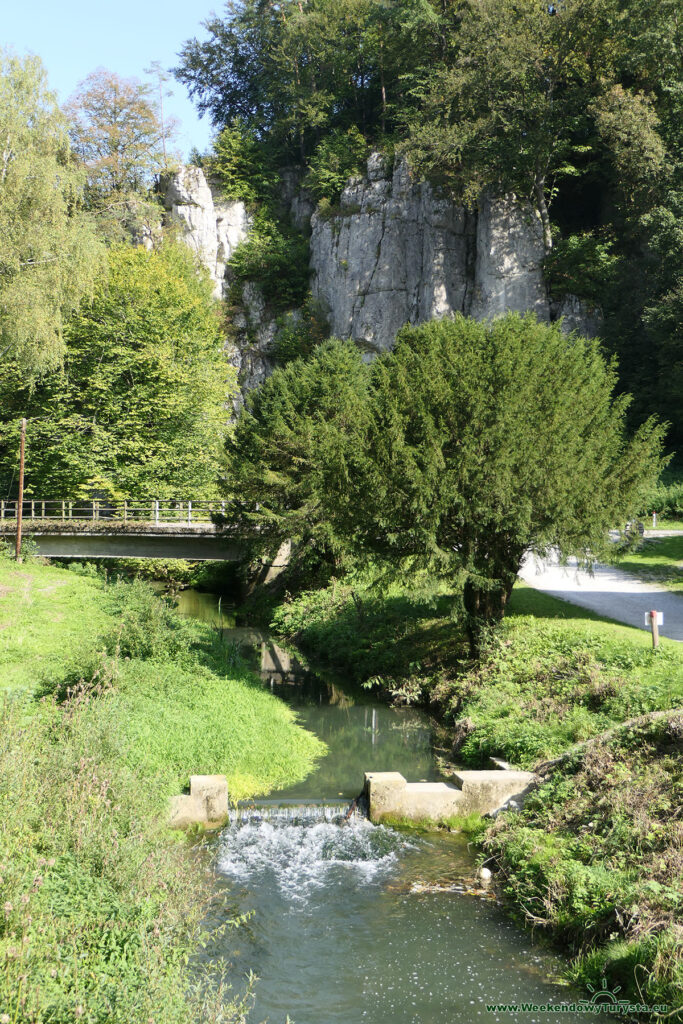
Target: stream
{"points": [[352, 922]]}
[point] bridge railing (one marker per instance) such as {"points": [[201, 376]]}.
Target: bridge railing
{"points": [[157, 510]]}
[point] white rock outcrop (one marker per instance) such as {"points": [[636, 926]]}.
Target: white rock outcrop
{"points": [[211, 227], [397, 252]]}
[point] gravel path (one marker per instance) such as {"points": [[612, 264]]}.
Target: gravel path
{"points": [[608, 591]]}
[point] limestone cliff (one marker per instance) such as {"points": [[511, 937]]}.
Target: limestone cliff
{"points": [[211, 227], [396, 252]]}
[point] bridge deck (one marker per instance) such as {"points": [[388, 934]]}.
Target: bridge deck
{"points": [[194, 530]]}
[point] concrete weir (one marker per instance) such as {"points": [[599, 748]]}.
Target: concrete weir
{"points": [[206, 804], [389, 795]]}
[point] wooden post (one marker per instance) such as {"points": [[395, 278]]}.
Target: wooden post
{"points": [[125, 510], [189, 512], [655, 628], [654, 520], [156, 511], [42, 510], [20, 502], [71, 510], [63, 512], [2, 509]]}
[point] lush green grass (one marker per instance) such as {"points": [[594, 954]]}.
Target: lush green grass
{"points": [[102, 904], [596, 859], [658, 560], [46, 615], [554, 675]]}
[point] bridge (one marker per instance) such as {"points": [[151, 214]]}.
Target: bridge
{"points": [[101, 528]]}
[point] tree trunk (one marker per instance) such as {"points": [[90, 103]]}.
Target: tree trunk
{"points": [[539, 190], [485, 608]]}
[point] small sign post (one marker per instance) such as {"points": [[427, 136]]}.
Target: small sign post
{"points": [[654, 620], [20, 500]]}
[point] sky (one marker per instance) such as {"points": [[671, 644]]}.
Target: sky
{"points": [[74, 37]]}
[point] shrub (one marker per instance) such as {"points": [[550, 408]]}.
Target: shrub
{"points": [[275, 258], [336, 158], [582, 265]]}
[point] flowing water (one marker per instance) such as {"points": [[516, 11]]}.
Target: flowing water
{"points": [[353, 923]]}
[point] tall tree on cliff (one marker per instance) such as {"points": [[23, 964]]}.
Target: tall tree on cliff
{"points": [[49, 254], [508, 107]]}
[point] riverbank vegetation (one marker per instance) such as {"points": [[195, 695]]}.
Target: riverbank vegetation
{"points": [[102, 909], [594, 858]]}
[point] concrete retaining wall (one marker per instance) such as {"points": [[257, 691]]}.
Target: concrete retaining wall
{"points": [[390, 796]]}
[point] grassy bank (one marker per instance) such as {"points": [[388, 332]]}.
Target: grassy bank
{"points": [[657, 561], [111, 701], [595, 858]]}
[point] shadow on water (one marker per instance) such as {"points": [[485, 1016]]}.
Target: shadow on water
{"points": [[352, 923]]}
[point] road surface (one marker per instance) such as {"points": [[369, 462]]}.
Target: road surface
{"points": [[607, 591]]}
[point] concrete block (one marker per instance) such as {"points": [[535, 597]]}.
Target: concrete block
{"points": [[486, 791], [482, 792], [207, 803]]}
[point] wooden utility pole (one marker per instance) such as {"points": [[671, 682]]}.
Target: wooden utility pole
{"points": [[20, 500]]}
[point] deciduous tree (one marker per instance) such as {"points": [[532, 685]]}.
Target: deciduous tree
{"points": [[139, 408], [49, 254]]}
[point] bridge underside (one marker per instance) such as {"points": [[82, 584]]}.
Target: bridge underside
{"points": [[200, 547]]}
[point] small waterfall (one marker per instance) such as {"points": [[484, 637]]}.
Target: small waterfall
{"points": [[301, 847], [293, 812]]}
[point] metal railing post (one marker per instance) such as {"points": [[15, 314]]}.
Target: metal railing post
{"points": [[63, 512], [189, 512]]}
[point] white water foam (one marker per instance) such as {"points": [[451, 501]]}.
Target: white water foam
{"points": [[302, 858]]}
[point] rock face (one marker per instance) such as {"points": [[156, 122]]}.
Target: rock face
{"points": [[212, 228], [393, 252], [396, 252]]}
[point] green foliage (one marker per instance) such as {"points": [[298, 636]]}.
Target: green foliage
{"points": [[300, 332], [87, 865], [544, 684], [298, 71], [595, 859], [138, 409], [666, 497], [101, 911], [276, 258], [479, 442], [242, 164], [394, 638], [49, 255], [339, 156], [582, 265], [272, 455]]}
